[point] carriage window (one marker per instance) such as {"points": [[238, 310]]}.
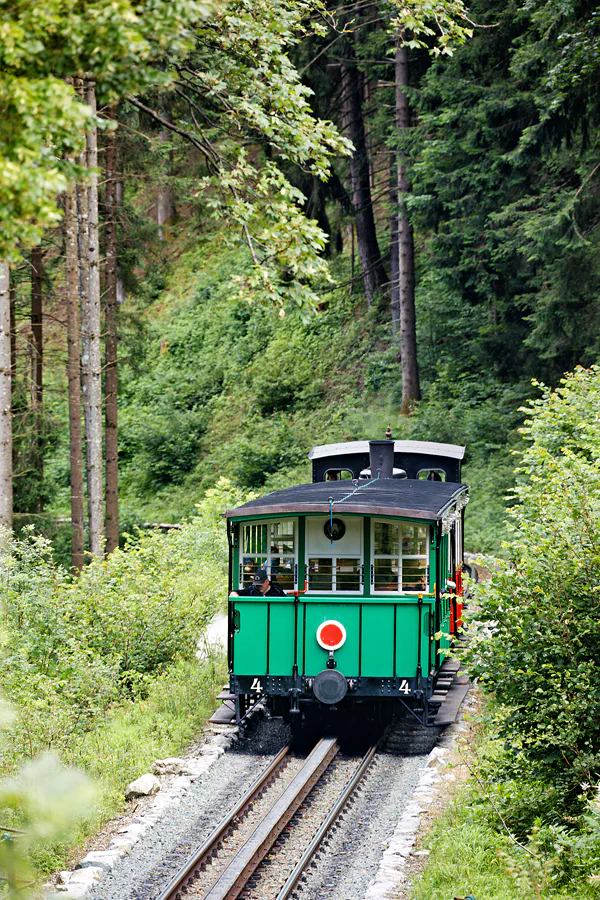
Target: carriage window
{"points": [[431, 475], [338, 475], [271, 545], [400, 557], [334, 573]]}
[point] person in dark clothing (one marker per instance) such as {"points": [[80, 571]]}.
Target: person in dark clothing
{"points": [[261, 586]]}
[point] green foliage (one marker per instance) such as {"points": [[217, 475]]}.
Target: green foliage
{"points": [[505, 181], [124, 743], [101, 670], [240, 86], [42, 121], [445, 21], [47, 800], [539, 617], [472, 852], [76, 647]]}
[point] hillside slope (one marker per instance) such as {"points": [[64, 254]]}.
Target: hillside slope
{"points": [[215, 387]]}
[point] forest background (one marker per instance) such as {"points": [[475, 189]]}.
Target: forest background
{"points": [[312, 220], [500, 146]]}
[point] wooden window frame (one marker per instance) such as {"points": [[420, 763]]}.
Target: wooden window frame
{"points": [[339, 558], [399, 556], [267, 556]]}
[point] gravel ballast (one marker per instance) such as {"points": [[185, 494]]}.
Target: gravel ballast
{"points": [[365, 856], [353, 855], [185, 823]]}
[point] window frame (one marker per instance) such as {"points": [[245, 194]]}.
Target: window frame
{"points": [[331, 554], [438, 471], [334, 591], [267, 556], [400, 557]]}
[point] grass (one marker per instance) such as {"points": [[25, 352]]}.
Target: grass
{"points": [[470, 853], [125, 744]]}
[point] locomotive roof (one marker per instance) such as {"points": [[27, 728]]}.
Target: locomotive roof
{"points": [[409, 497], [428, 448]]}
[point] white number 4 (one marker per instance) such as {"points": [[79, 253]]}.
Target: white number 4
{"points": [[257, 686], [404, 688]]}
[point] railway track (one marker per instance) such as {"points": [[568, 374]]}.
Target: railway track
{"points": [[263, 846]]}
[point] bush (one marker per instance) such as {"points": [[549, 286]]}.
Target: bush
{"points": [[76, 648], [102, 669], [536, 644], [473, 852]]}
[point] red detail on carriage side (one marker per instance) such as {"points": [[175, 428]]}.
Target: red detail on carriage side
{"points": [[459, 599], [331, 635], [458, 578]]}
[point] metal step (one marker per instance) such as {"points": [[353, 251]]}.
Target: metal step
{"points": [[449, 667], [438, 698], [224, 715], [448, 710]]}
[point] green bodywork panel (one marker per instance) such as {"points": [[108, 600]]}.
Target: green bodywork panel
{"points": [[315, 658], [382, 632], [250, 640], [369, 647], [281, 638]]}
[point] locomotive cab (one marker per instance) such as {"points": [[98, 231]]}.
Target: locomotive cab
{"points": [[370, 571]]}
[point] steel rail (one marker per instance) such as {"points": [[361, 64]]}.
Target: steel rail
{"points": [[209, 848], [235, 876], [288, 888]]}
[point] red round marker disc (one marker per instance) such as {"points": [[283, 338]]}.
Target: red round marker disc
{"points": [[331, 635]]}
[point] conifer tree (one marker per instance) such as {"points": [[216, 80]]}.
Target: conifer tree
{"points": [[6, 489], [111, 344]]}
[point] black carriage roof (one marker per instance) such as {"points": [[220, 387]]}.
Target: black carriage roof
{"points": [[410, 498]]}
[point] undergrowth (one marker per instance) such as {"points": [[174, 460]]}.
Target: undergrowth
{"points": [[101, 670], [123, 746], [473, 850]]}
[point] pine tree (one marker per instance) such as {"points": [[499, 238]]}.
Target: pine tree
{"points": [[6, 489], [111, 345]]}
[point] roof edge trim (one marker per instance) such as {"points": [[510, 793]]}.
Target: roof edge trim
{"points": [[428, 448]]}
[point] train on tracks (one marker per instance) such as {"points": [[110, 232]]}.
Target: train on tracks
{"points": [[345, 593]]}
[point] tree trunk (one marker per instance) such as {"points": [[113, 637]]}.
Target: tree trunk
{"points": [[164, 198], [6, 461], [111, 388], [94, 325], [73, 377], [411, 390], [372, 268], [82, 233], [394, 273], [37, 386], [36, 325], [120, 287], [13, 330]]}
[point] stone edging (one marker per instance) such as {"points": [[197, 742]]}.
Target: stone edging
{"points": [[87, 873], [391, 875]]}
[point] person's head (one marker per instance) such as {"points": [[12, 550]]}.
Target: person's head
{"points": [[261, 581]]}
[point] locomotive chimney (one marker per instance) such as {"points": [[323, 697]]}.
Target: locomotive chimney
{"points": [[381, 455]]}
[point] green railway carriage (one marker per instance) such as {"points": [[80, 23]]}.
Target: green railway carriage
{"points": [[369, 557]]}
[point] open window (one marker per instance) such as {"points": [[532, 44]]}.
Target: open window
{"points": [[338, 475], [271, 545], [431, 475], [400, 557], [365, 474], [334, 573]]}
